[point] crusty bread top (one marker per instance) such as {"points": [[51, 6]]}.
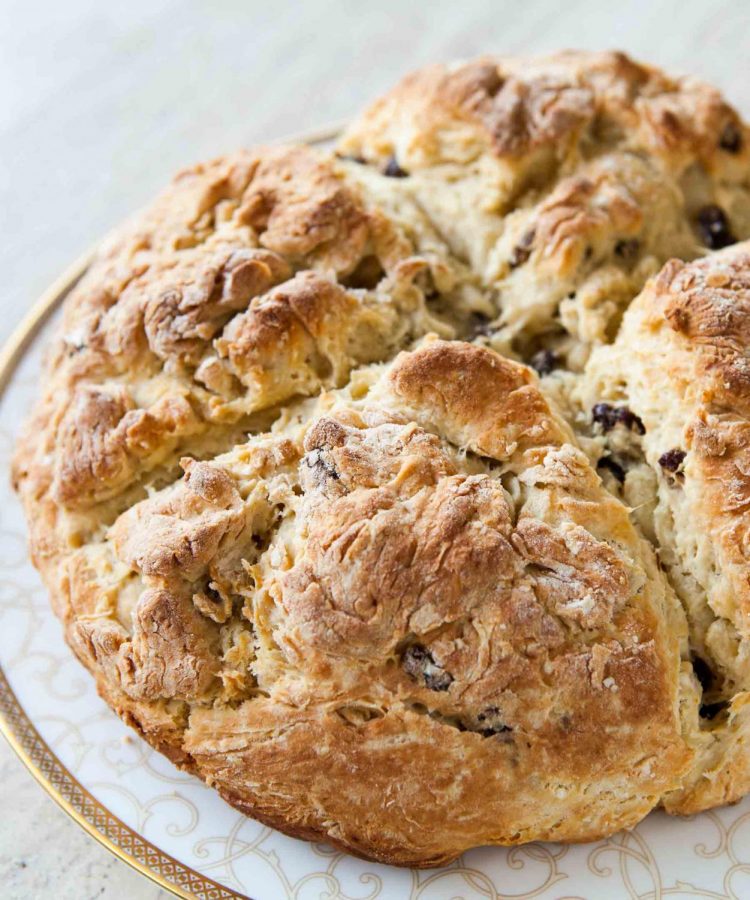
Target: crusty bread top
{"points": [[680, 363], [400, 569], [565, 180], [515, 108], [325, 546]]}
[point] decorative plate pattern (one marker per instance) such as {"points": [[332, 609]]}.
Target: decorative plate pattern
{"points": [[178, 832]]}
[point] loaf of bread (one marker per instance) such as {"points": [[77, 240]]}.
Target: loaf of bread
{"points": [[401, 492]]}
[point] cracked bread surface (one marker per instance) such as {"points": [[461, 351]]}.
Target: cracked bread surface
{"points": [[566, 181], [680, 363], [327, 541]]}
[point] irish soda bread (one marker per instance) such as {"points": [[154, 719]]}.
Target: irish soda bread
{"points": [[325, 537]]}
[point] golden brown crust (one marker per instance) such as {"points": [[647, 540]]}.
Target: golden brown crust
{"points": [[565, 180], [476, 398], [361, 576], [483, 610], [526, 627], [680, 362], [517, 106]]}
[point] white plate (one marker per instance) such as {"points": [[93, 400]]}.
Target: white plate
{"points": [[180, 833]]}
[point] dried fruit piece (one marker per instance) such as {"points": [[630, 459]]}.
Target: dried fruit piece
{"points": [[672, 460], [731, 138], [522, 250], [713, 227], [628, 249], [420, 664], [545, 361], [393, 169], [492, 722], [608, 417], [479, 325], [611, 465]]}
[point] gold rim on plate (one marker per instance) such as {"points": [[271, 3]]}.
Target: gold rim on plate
{"points": [[17, 728]]}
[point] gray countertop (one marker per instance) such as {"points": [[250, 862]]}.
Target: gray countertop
{"points": [[101, 102]]}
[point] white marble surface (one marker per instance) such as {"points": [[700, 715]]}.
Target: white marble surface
{"points": [[100, 102]]}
